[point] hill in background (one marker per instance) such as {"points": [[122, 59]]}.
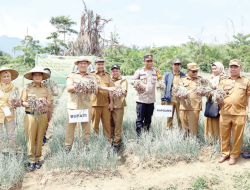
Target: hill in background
{"points": [[7, 44]]}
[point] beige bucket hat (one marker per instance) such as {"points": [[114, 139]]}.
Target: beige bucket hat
{"points": [[192, 66], [28, 75], [235, 62], [82, 58], [14, 73]]}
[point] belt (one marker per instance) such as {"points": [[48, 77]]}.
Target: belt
{"points": [[27, 112]]}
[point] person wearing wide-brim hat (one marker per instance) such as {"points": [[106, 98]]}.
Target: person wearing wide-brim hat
{"points": [[190, 109], [76, 102], [35, 127], [7, 113]]}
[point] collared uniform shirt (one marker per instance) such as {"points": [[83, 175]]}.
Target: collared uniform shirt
{"points": [[235, 99], [176, 82], [75, 101], [43, 91], [52, 85], [102, 97], [194, 102], [123, 83], [149, 78], [4, 102]]}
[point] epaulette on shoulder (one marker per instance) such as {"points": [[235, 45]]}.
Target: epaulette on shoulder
{"points": [[199, 77], [107, 72], [222, 77], [28, 85], [184, 76], [92, 72]]}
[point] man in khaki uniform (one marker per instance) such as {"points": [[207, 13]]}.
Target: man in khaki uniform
{"points": [[102, 102], [54, 89], [76, 102], [119, 104], [145, 102], [191, 107], [233, 111], [172, 79], [35, 128]]}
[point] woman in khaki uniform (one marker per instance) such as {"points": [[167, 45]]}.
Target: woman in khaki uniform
{"points": [[8, 119], [35, 128], [212, 130]]}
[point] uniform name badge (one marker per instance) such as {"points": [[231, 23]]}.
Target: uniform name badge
{"points": [[78, 116], [6, 111], [164, 111]]}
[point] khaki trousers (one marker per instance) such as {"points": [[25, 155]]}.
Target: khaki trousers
{"points": [[190, 120], [35, 130], [70, 130], [116, 125], [10, 129], [48, 131], [103, 113], [176, 106], [212, 128], [234, 124]]}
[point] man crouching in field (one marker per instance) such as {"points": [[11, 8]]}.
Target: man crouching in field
{"points": [[233, 112], [119, 104], [146, 78]]}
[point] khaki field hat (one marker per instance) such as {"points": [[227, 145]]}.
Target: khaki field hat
{"points": [[235, 62], [176, 61], [99, 59], [192, 66], [14, 73], [148, 57], [82, 58], [28, 75]]}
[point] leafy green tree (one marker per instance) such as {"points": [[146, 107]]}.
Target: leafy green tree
{"points": [[4, 58], [64, 25], [30, 48], [242, 39], [55, 46]]}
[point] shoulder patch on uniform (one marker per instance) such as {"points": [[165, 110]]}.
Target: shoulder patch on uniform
{"points": [[28, 85], [45, 85], [107, 72]]}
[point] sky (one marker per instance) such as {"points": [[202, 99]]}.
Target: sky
{"points": [[138, 22]]}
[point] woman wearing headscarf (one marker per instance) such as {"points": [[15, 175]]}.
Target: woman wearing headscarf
{"points": [[35, 125], [212, 124], [7, 113]]}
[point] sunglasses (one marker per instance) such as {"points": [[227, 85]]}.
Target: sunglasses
{"points": [[193, 71], [177, 64]]}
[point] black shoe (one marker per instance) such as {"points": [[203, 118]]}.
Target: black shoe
{"points": [[246, 155], [31, 167], [116, 148], [67, 150], [45, 139], [38, 165]]}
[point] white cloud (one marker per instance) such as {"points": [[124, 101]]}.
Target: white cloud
{"points": [[134, 8], [18, 28]]}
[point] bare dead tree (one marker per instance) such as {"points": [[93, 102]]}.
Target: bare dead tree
{"points": [[89, 40]]}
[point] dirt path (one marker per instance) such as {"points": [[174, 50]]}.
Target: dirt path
{"points": [[130, 176]]}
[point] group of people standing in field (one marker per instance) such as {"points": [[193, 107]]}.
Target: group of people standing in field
{"points": [[110, 110], [232, 110]]}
